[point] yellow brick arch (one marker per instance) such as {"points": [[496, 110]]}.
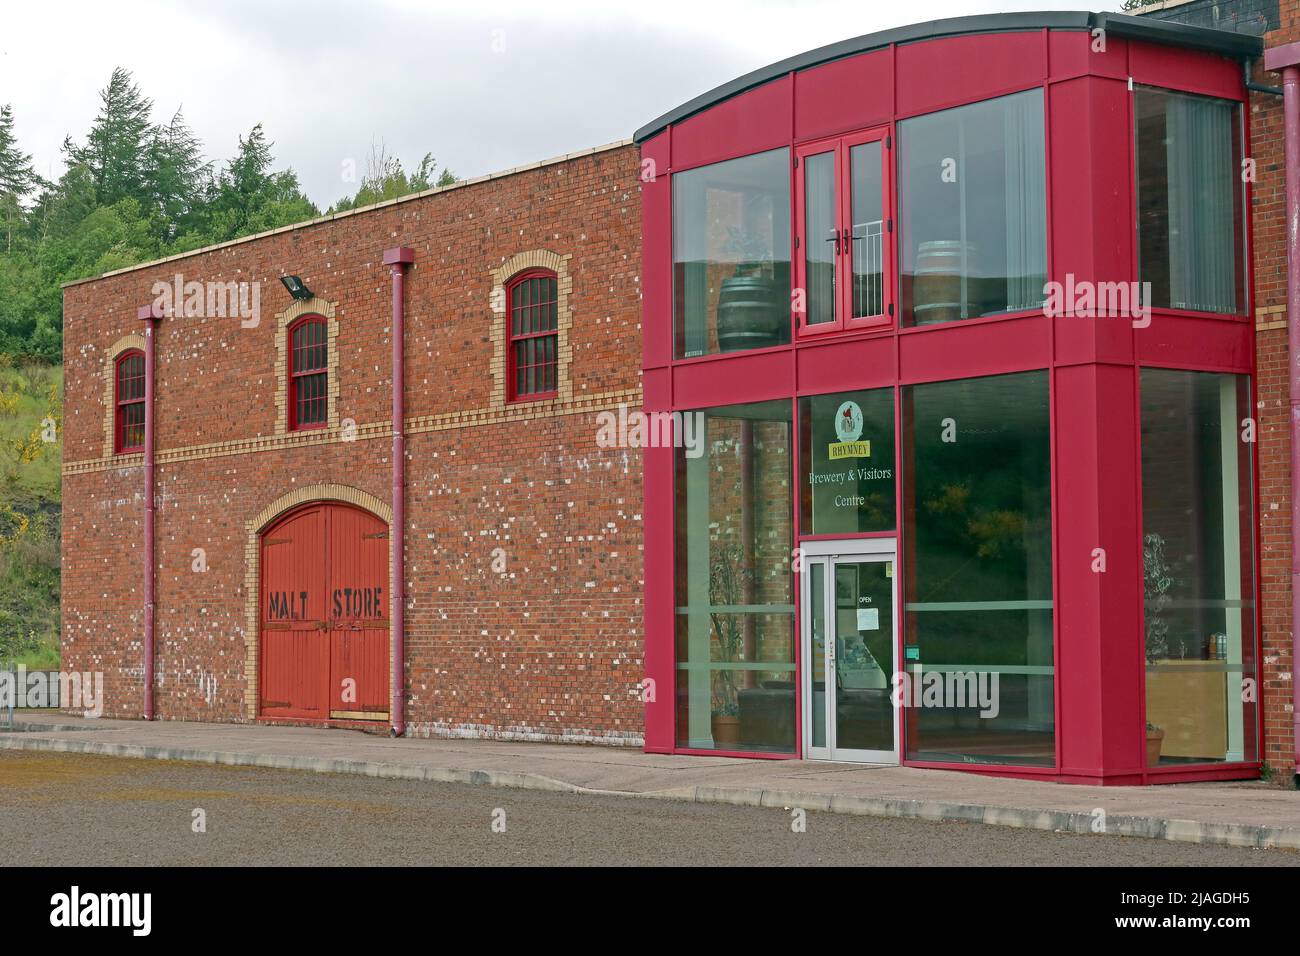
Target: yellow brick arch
{"points": [[252, 561]]}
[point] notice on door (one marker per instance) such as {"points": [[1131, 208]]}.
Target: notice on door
{"points": [[868, 619]]}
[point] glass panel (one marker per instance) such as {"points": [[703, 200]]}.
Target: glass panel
{"points": [[973, 210], [133, 425], [847, 460], [821, 238], [818, 660], [1190, 200], [731, 255], [130, 378], [978, 624], [734, 583], [1198, 557], [864, 655], [868, 234]]}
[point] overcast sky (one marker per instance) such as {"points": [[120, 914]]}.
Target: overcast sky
{"points": [[483, 85]]}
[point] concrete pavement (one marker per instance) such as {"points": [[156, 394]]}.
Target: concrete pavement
{"points": [[1232, 814]]}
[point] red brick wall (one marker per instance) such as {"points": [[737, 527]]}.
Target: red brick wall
{"points": [[550, 648], [1270, 273]]}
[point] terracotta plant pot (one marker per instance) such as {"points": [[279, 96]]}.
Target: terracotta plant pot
{"points": [[726, 732], [1154, 740]]}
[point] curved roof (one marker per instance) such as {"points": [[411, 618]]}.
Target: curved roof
{"points": [[1236, 45]]}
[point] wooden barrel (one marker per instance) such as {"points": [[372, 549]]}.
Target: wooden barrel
{"points": [[749, 314], [937, 281]]}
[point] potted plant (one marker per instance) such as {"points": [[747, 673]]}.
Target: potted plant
{"points": [[1155, 739], [1157, 583], [751, 311], [728, 578]]}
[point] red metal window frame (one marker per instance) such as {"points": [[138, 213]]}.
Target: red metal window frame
{"points": [[841, 147], [128, 401], [522, 320], [311, 375]]}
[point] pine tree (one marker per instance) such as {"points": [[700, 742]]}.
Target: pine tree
{"points": [[17, 178], [116, 146], [177, 178], [250, 198]]}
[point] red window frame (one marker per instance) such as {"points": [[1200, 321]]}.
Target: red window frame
{"points": [[128, 436], [315, 358], [841, 148], [549, 367]]}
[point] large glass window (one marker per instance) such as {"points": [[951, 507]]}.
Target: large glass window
{"points": [[847, 462], [977, 502], [731, 255], [734, 583], [1198, 563], [974, 211], [1190, 200]]}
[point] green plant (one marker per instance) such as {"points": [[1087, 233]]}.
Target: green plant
{"points": [[729, 578], [1157, 582]]}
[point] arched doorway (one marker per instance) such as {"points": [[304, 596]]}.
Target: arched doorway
{"points": [[323, 618]]}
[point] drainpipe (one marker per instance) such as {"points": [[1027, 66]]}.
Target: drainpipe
{"points": [[1286, 60], [149, 315], [398, 259]]}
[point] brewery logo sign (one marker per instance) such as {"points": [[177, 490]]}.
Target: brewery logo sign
{"points": [[848, 429]]}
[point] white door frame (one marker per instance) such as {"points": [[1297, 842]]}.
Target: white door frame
{"points": [[830, 553]]}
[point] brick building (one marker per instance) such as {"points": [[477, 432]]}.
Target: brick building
{"points": [[539, 639], [1098, 543]]}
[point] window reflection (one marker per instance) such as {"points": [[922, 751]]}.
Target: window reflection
{"points": [[735, 597], [1198, 568], [731, 255], [979, 572], [974, 213]]}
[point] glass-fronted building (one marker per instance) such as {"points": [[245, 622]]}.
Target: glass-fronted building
{"points": [[961, 313]]}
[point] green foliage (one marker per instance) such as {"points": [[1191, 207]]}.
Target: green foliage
{"points": [[31, 414], [133, 190], [385, 179]]}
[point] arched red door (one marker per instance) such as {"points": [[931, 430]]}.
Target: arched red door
{"points": [[324, 615]]}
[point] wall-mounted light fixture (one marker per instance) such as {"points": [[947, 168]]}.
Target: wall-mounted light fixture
{"points": [[296, 288]]}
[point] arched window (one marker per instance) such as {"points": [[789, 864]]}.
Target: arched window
{"points": [[128, 402], [308, 374], [532, 340]]}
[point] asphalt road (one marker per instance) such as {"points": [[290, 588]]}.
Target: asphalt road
{"points": [[78, 810]]}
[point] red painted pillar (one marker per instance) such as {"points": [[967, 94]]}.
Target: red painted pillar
{"points": [[1096, 466], [659, 690]]}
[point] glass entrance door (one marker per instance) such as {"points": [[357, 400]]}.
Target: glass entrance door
{"points": [[849, 620]]}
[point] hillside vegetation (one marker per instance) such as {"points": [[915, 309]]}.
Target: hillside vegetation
{"points": [[31, 421]]}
